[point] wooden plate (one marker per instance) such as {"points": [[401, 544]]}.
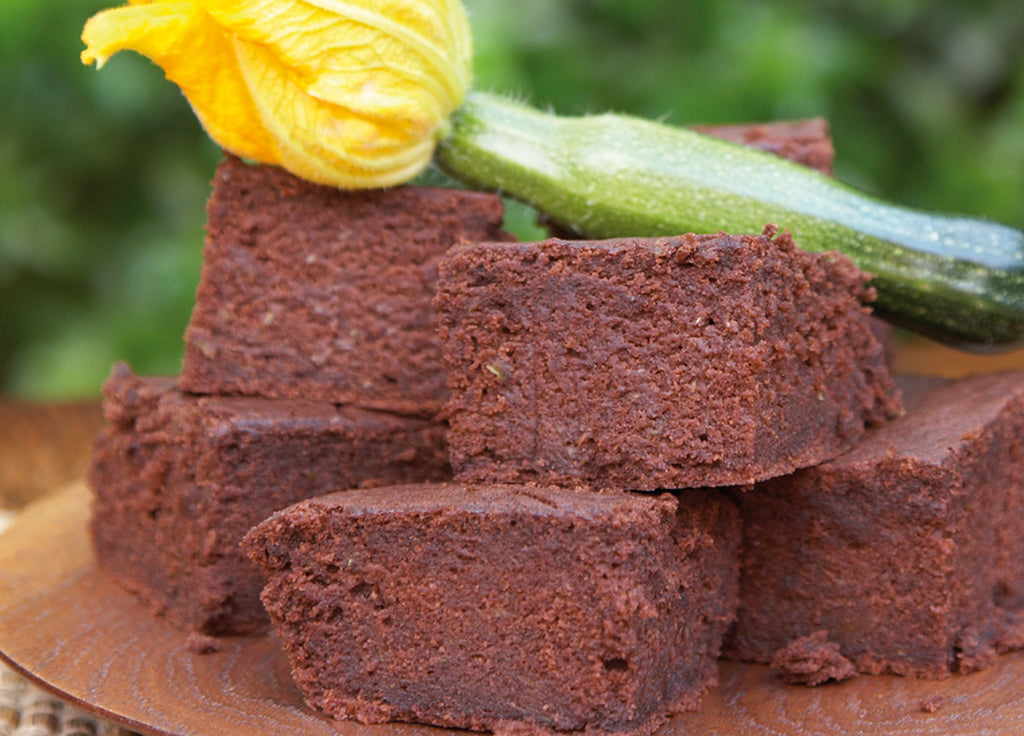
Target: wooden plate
{"points": [[64, 625]]}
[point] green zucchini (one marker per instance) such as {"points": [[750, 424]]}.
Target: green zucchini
{"points": [[956, 279]]}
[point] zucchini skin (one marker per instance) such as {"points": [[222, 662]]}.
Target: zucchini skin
{"points": [[959, 280]]}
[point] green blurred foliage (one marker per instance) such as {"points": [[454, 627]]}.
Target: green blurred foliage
{"points": [[103, 178], [104, 175]]}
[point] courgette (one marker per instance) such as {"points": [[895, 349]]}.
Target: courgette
{"points": [[956, 279]]}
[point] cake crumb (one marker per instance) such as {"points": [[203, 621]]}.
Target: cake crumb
{"points": [[812, 660], [203, 644], [931, 703]]}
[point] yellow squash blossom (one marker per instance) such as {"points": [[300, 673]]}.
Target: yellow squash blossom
{"points": [[352, 93]]}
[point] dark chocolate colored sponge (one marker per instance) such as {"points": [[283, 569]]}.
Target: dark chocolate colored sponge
{"points": [[507, 608], [178, 480], [699, 360], [908, 550], [310, 292], [812, 660]]}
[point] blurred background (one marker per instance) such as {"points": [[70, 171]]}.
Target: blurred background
{"points": [[104, 175]]}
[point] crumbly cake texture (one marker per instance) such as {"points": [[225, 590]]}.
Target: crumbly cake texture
{"points": [[907, 551], [178, 480], [812, 660], [699, 360], [312, 292], [517, 609]]}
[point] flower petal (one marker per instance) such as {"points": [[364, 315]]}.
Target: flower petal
{"points": [[410, 37], [197, 55], [345, 92], [323, 143], [148, 29]]}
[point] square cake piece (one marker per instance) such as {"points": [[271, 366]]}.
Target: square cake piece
{"points": [[312, 292], [517, 609], [178, 480], [908, 551], [699, 360]]}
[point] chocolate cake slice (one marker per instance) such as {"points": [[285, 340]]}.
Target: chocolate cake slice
{"points": [[508, 608], [311, 292], [698, 360], [908, 551], [179, 479]]}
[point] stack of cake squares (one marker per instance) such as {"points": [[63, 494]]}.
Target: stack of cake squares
{"points": [[542, 487], [310, 364], [557, 584]]}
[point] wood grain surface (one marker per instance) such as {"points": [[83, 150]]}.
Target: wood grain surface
{"points": [[67, 627], [913, 354], [43, 446]]}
